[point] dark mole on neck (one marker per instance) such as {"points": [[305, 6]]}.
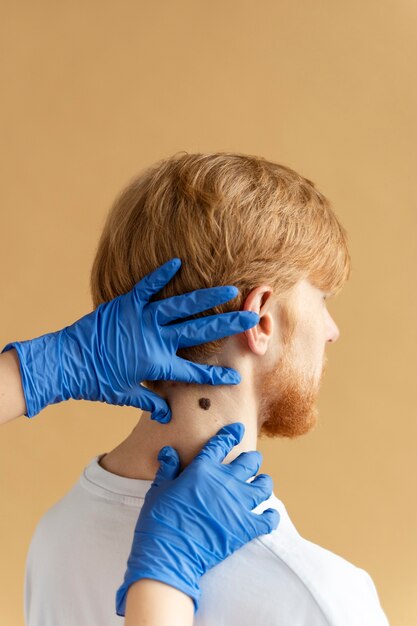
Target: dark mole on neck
{"points": [[204, 403]]}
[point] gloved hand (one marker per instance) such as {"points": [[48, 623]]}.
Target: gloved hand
{"points": [[106, 354], [192, 521]]}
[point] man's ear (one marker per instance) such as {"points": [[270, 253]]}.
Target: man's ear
{"points": [[260, 301]]}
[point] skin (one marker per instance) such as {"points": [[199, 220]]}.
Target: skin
{"points": [[281, 377], [153, 603]]}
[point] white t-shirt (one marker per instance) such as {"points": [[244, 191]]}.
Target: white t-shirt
{"points": [[78, 555]]}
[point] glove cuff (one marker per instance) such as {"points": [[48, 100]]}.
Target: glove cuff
{"points": [[171, 579], [172, 560], [41, 372]]}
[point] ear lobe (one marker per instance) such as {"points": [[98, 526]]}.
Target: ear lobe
{"points": [[258, 337]]}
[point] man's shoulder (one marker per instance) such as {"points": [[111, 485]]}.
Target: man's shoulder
{"points": [[337, 585], [310, 560]]}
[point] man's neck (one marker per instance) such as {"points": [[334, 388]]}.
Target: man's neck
{"points": [[190, 428]]}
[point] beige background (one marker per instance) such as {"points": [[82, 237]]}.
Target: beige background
{"points": [[92, 92]]}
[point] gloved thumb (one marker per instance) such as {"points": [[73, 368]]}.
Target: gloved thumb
{"points": [[169, 465]]}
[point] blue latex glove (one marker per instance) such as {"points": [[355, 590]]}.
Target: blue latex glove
{"points": [[106, 354], [192, 521]]}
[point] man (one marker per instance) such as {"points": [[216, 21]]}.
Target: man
{"points": [[238, 220]]}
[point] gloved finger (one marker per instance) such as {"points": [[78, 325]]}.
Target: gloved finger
{"points": [[142, 398], [212, 327], [150, 401], [267, 521], [189, 372], [259, 490], [169, 465], [156, 280], [246, 465], [192, 303], [219, 446]]}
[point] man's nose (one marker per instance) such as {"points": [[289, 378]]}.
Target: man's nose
{"points": [[333, 332]]}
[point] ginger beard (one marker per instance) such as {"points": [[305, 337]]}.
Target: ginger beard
{"points": [[288, 396]]}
